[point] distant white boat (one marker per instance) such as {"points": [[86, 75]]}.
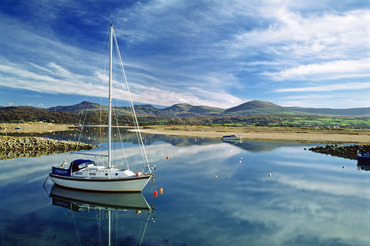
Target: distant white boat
{"points": [[87, 175], [231, 137]]}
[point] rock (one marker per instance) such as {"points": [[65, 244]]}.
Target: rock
{"points": [[11, 147], [348, 152]]}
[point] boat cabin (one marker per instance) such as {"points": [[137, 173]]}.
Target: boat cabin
{"points": [[75, 165], [79, 164]]}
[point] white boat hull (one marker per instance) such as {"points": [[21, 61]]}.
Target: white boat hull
{"points": [[129, 184]]}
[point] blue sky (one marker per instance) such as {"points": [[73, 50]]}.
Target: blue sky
{"points": [[203, 52]]}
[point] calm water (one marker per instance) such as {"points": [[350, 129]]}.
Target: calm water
{"points": [[215, 193]]}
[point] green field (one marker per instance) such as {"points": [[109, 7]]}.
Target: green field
{"points": [[300, 121]]}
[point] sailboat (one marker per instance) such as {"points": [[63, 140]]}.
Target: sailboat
{"points": [[83, 174]]}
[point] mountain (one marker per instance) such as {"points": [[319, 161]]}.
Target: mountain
{"points": [[32, 114], [77, 108], [184, 109], [147, 110], [251, 108], [258, 108], [177, 110], [330, 111]]}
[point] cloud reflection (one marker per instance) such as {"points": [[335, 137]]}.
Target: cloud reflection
{"points": [[308, 200]]}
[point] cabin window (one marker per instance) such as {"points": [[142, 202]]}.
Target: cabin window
{"points": [[116, 174]]}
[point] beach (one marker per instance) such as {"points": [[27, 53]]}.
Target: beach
{"points": [[260, 133], [285, 134], [6, 128]]}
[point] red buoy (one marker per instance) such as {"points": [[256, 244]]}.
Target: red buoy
{"points": [[155, 194]]}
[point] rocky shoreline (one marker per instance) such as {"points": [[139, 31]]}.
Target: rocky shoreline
{"points": [[348, 152], [15, 147]]}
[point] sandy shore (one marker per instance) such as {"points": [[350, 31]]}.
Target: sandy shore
{"points": [[33, 127], [292, 134]]}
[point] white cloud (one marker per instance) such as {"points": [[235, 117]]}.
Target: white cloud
{"points": [[340, 99], [58, 80], [205, 53], [328, 70], [291, 33], [333, 87]]}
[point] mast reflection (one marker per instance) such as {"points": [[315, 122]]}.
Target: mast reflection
{"points": [[104, 204]]}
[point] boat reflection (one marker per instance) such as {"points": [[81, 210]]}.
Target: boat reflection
{"points": [[363, 161], [234, 142], [134, 201], [363, 167], [104, 204]]}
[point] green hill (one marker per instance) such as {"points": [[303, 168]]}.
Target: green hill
{"points": [[330, 111], [187, 110], [184, 110], [260, 111], [31, 114], [77, 108], [258, 108]]}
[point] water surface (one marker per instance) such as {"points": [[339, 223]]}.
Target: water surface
{"points": [[215, 193]]}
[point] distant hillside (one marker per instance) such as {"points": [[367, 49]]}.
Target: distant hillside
{"points": [[70, 114], [187, 110], [258, 108], [330, 111], [146, 110], [77, 108], [177, 110], [31, 114], [183, 110]]}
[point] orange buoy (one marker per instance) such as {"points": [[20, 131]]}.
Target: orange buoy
{"points": [[161, 191], [167, 157], [155, 193], [343, 167], [137, 174], [195, 139]]}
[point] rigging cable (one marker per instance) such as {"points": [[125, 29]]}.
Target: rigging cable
{"points": [[140, 138]]}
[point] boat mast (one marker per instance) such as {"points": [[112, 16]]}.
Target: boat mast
{"points": [[110, 98]]}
